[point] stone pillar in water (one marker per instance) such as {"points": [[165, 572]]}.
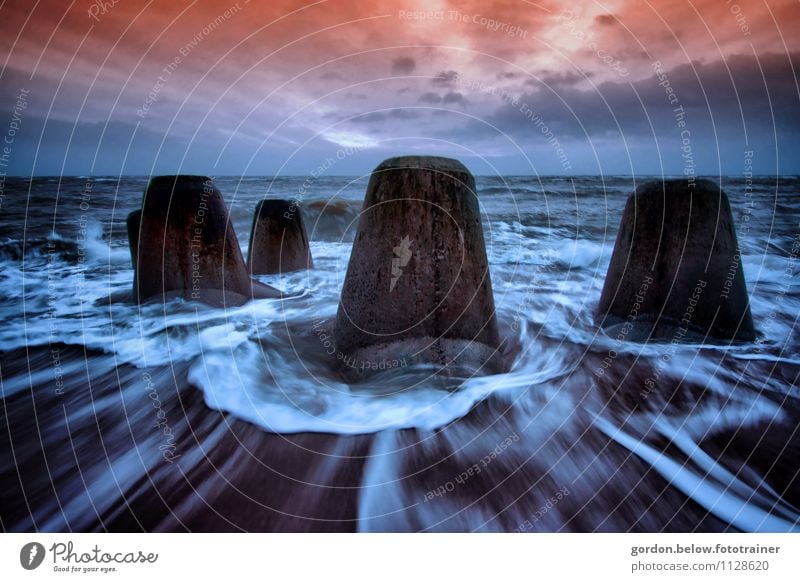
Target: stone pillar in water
{"points": [[417, 287], [676, 270], [278, 240], [187, 246], [133, 222]]}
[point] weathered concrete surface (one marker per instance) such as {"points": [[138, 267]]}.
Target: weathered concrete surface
{"points": [[418, 280], [278, 239], [676, 272], [187, 246], [133, 222]]}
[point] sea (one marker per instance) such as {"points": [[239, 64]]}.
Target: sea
{"points": [[118, 416]]}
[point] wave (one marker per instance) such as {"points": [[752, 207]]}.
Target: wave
{"points": [[91, 247], [710, 485]]}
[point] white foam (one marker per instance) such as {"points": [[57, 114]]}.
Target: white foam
{"points": [[724, 500]]}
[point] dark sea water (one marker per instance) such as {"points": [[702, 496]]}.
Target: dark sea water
{"points": [[187, 417]]}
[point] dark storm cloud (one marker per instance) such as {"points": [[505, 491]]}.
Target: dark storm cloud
{"points": [[431, 98], [606, 19], [403, 66], [565, 79], [709, 94], [454, 98], [445, 78], [380, 117], [624, 127], [58, 147], [55, 147]]}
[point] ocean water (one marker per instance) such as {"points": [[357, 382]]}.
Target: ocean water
{"points": [[63, 250]]}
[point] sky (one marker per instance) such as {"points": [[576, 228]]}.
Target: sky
{"points": [[332, 87]]}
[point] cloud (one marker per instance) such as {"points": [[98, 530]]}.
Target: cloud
{"points": [[606, 19], [565, 79], [710, 94], [403, 66], [429, 97], [445, 78], [453, 97], [380, 117]]}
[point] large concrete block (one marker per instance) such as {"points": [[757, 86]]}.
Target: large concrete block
{"points": [[187, 246], [418, 284], [278, 239], [676, 271]]}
